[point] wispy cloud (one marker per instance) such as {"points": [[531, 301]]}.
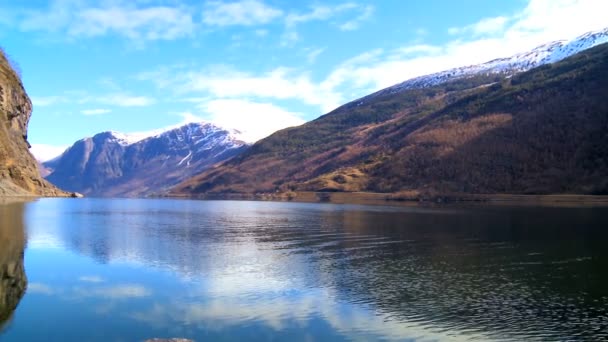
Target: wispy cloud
{"points": [[354, 24], [118, 99], [44, 101], [223, 81], [240, 94], [121, 100], [124, 18], [313, 54], [143, 21], [39, 288], [324, 12], [98, 111], [153, 23], [342, 14], [486, 26], [289, 38], [540, 22], [244, 13], [91, 279]]}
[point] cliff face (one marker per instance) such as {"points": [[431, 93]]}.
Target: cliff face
{"points": [[19, 173], [13, 280]]}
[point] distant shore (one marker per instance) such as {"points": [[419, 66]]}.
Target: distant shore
{"points": [[411, 198]]}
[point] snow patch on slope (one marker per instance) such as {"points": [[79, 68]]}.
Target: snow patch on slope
{"points": [[544, 54]]}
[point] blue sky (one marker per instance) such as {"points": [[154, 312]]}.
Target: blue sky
{"points": [[254, 65]]}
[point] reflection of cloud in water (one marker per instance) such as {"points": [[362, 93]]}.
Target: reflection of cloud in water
{"points": [[245, 269], [120, 291], [277, 314], [394, 274], [43, 240], [114, 292]]}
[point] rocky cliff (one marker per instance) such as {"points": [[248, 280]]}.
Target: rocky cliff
{"points": [[19, 175]]}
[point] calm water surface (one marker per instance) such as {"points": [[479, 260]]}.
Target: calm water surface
{"points": [[130, 270]]}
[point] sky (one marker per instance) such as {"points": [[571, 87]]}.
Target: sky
{"points": [[136, 66]]}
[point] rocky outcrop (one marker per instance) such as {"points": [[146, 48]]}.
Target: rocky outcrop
{"points": [[19, 175], [13, 280]]}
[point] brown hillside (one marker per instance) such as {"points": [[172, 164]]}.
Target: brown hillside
{"points": [[542, 131]]}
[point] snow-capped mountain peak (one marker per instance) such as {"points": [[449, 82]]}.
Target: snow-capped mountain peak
{"points": [[126, 139], [185, 131], [113, 163], [543, 54], [203, 135]]}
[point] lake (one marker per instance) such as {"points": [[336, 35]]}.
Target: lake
{"points": [[131, 270]]}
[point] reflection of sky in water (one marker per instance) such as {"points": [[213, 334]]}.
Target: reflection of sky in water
{"points": [[136, 269]]}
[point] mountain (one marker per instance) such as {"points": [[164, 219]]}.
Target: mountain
{"points": [[544, 54], [534, 132], [117, 164], [19, 175]]}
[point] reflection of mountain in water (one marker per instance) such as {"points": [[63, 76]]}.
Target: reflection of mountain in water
{"points": [[516, 273], [12, 274]]}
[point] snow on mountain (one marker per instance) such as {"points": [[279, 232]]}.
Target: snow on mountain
{"points": [[117, 164], [125, 139], [544, 54], [188, 133], [202, 136]]}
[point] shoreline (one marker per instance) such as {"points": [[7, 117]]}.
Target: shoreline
{"points": [[399, 199]]}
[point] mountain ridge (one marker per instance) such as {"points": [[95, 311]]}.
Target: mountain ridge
{"points": [[412, 139], [546, 53], [116, 164]]}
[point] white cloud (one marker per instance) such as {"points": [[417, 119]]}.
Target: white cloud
{"points": [[39, 288], [91, 279], [244, 95], [226, 82], [289, 38], [320, 12], [124, 18], [97, 111], [486, 26], [244, 13], [121, 100], [44, 152], [153, 23], [313, 54], [45, 101], [253, 119], [540, 22], [351, 25]]}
